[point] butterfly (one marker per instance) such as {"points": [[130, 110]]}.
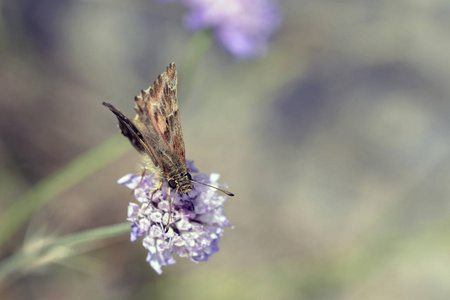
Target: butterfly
{"points": [[156, 134]]}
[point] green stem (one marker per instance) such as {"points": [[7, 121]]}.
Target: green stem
{"points": [[57, 183], [75, 239], [195, 50], [25, 258]]}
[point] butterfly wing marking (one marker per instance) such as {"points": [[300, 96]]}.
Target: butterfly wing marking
{"points": [[157, 107], [136, 138]]}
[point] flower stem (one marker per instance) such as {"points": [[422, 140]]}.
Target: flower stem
{"points": [[56, 249], [54, 185], [195, 50]]}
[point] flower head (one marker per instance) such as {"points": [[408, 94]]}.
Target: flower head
{"points": [[193, 234], [242, 27]]}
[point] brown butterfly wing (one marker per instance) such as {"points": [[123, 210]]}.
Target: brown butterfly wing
{"points": [[135, 136], [158, 119]]}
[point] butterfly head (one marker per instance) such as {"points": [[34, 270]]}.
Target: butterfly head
{"points": [[181, 182]]}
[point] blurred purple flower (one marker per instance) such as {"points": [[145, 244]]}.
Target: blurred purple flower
{"points": [[242, 27], [193, 234]]}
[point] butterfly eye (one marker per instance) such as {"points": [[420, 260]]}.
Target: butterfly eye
{"points": [[189, 176], [172, 183]]}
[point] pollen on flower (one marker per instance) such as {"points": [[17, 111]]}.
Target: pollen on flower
{"points": [[193, 234]]}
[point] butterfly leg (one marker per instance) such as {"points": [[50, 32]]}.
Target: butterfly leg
{"points": [[191, 207], [155, 190], [170, 207], [140, 181], [152, 193]]}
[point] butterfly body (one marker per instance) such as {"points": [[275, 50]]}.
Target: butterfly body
{"points": [[156, 133]]}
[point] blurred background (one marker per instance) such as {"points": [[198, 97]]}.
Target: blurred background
{"points": [[335, 141]]}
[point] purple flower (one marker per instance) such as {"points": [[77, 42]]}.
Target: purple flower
{"points": [[193, 234], [242, 27]]}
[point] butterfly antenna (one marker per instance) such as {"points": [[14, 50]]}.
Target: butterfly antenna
{"points": [[192, 208], [223, 191]]}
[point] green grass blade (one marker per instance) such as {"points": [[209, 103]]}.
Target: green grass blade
{"points": [[52, 186], [24, 258]]}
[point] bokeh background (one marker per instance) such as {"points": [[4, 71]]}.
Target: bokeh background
{"points": [[336, 144]]}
